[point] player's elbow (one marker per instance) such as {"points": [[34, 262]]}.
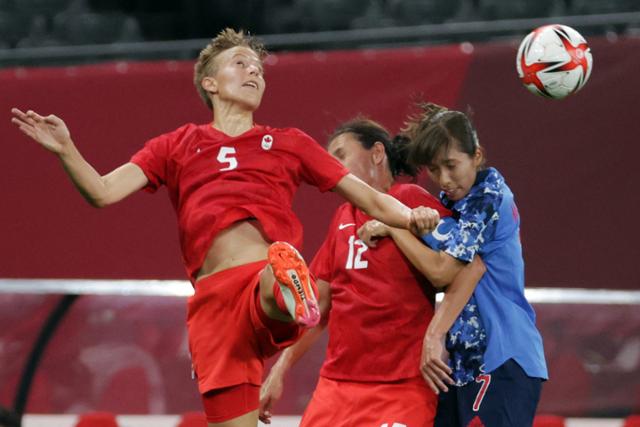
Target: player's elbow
{"points": [[478, 267], [439, 281], [103, 195], [96, 203], [438, 275], [99, 201]]}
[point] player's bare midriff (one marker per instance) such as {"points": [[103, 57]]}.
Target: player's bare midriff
{"points": [[241, 243]]}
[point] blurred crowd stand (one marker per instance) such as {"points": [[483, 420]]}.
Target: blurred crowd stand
{"points": [[42, 23]]}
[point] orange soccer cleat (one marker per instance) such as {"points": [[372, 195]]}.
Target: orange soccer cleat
{"points": [[298, 291]]}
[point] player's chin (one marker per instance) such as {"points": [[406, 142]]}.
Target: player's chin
{"points": [[251, 101], [251, 104]]}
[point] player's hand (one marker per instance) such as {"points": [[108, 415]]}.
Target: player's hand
{"points": [[423, 220], [50, 131], [270, 393], [373, 230], [433, 366]]}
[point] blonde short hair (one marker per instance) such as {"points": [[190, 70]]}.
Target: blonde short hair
{"points": [[226, 39]]}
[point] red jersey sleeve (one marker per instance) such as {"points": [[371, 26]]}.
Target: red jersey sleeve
{"points": [[319, 168], [152, 158], [413, 196], [322, 265]]}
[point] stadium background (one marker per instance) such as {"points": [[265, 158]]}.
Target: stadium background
{"points": [[572, 165]]}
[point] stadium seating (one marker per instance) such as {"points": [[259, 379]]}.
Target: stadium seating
{"points": [[417, 12], [89, 28], [102, 21], [39, 35], [41, 7], [13, 27]]}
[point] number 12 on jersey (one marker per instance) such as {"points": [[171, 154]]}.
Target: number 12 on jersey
{"points": [[356, 249]]}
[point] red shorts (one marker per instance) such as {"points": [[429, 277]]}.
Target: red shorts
{"points": [[229, 333], [407, 402], [227, 403]]}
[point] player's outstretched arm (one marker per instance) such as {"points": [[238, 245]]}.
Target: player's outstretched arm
{"points": [[272, 388], [433, 365], [52, 133], [386, 208], [437, 266]]}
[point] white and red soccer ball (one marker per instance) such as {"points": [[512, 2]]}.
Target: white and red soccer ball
{"points": [[554, 61]]}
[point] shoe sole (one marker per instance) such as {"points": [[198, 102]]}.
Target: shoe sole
{"points": [[292, 275]]}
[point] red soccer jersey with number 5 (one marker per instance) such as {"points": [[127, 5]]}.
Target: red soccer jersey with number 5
{"points": [[215, 180], [380, 304]]}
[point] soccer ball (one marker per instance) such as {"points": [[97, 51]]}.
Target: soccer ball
{"points": [[554, 61]]}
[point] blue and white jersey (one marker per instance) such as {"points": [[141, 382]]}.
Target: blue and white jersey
{"points": [[498, 323], [466, 343]]}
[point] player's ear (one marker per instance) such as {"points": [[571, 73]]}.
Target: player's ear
{"points": [[378, 152], [478, 157], [210, 84]]}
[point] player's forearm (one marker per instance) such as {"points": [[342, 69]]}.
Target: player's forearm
{"points": [[434, 265], [381, 206], [388, 209], [292, 354], [85, 178], [455, 298]]}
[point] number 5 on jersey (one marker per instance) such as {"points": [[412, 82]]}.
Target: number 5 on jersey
{"points": [[356, 249], [226, 156]]}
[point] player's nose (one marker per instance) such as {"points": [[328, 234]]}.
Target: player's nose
{"points": [[444, 179], [254, 70]]}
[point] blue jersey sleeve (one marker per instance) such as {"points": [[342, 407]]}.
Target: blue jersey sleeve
{"points": [[478, 216]]}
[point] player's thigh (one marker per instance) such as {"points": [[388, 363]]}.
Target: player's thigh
{"points": [[447, 412], [506, 397], [234, 406]]}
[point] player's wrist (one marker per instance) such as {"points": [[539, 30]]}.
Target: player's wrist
{"points": [[434, 334], [393, 231], [409, 225], [67, 151], [282, 366]]}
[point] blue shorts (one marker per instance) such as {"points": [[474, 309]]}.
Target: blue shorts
{"points": [[506, 397]]}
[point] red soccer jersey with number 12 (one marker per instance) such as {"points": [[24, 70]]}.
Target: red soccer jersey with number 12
{"points": [[215, 180], [380, 304]]}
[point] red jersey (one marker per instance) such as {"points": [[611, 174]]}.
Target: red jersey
{"points": [[215, 180], [380, 304]]}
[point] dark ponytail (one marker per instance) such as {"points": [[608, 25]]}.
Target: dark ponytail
{"points": [[398, 155]]}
